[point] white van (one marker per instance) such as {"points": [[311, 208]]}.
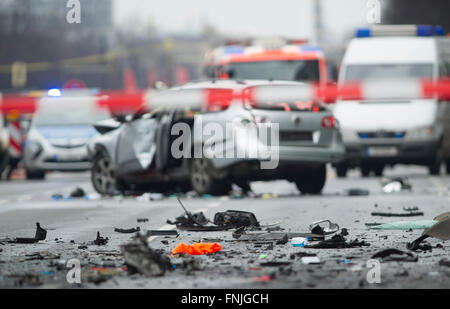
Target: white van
{"points": [[388, 131]]}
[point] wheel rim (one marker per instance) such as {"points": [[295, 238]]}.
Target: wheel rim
{"points": [[103, 176], [199, 173]]}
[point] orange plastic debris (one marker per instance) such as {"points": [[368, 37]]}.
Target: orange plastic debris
{"points": [[197, 248]]}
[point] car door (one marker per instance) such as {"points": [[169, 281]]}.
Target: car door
{"points": [[136, 146]]}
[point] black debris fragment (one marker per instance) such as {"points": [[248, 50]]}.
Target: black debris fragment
{"points": [[127, 231], [78, 193], [405, 214], [162, 233], [41, 234], [278, 238], [143, 259], [389, 255], [357, 192], [440, 230], [236, 219], [198, 222], [338, 242], [100, 241], [142, 220]]}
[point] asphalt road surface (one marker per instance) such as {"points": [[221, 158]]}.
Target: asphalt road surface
{"points": [[74, 223]]}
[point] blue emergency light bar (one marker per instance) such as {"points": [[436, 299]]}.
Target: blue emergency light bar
{"points": [[309, 48], [399, 30], [233, 50]]}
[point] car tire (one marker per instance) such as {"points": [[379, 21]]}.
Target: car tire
{"points": [[313, 181], [103, 175], [447, 166], [434, 167], [34, 175], [202, 180], [365, 171], [341, 171], [378, 170]]}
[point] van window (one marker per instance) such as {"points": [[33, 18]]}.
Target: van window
{"points": [[383, 71]]}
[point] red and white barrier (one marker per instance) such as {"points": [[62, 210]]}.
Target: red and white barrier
{"points": [[130, 102], [15, 138]]}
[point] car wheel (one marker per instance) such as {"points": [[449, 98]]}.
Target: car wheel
{"points": [[365, 171], [203, 182], [341, 171], [435, 165], [378, 170], [103, 176], [34, 175], [313, 181]]}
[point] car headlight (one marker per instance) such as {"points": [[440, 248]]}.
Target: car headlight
{"points": [[418, 133], [34, 148]]}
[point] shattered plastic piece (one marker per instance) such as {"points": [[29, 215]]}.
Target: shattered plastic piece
{"points": [[330, 229], [310, 260], [127, 231], [57, 197], [405, 225], [338, 242], [392, 187], [395, 184], [390, 255], [100, 241], [145, 260], [406, 214], [222, 221], [440, 230], [197, 248], [236, 219], [299, 241], [141, 220], [357, 192]]}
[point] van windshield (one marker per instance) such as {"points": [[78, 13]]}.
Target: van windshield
{"points": [[292, 70], [388, 71]]}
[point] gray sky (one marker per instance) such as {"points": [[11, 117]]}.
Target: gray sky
{"points": [[291, 18]]}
